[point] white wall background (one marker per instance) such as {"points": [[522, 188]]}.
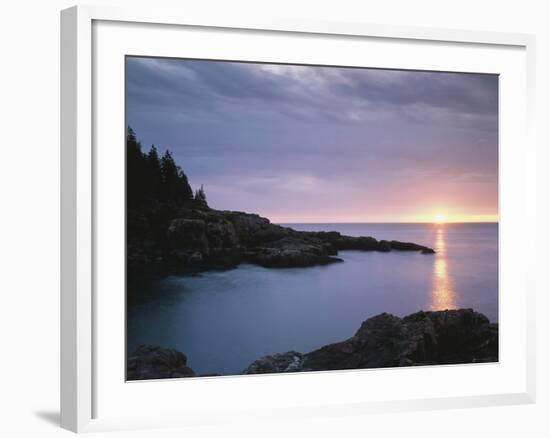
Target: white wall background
{"points": [[29, 215]]}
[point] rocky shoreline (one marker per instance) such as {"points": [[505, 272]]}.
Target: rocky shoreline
{"points": [[423, 338], [193, 239]]}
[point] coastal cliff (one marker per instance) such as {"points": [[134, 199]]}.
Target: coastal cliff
{"points": [[197, 238], [423, 338], [172, 229]]}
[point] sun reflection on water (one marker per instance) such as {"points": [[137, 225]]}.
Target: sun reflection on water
{"points": [[443, 294]]}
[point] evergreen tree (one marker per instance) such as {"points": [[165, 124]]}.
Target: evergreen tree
{"points": [[134, 169], [184, 188], [175, 186], [200, 197], [154, 174]]}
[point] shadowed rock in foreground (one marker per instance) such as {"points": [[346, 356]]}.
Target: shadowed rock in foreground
{"points": [[423, 338], [185, 239], [151, 362]]}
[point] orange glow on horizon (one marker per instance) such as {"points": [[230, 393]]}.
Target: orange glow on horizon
{"points": [[428, 218]]}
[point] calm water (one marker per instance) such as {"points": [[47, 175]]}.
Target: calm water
{"points": [[223, 321]]}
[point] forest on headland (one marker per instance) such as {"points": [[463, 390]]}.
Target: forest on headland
{"points": [[171, 228]]}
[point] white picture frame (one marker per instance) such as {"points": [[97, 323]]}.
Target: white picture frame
{"points": [[83, 316]]}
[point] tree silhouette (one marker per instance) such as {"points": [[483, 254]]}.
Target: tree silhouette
{"points": [[153, 173], [152, 180], [134, 169], [200, 197], [175, 186]]}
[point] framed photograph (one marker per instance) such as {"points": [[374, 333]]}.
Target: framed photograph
{"points": [[284, 218]]}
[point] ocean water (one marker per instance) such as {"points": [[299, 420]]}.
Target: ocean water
{"points": [[223, 321]]}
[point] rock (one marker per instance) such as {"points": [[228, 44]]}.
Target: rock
{"points": [[291, 252], [357, 243], [364, 243], [188, 234], [153, 362], [423, 338], [221, 233], [458, 335], [288, 362], [190, 239], [196, 257], [253, 229], [379, 342], [408, 246]]}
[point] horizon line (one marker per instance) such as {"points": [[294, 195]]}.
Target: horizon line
{"points": [[387, 222]]}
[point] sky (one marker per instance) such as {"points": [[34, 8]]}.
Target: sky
{"points": [[318, 144]]}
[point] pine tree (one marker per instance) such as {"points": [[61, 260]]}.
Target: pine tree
{"points": [[185, 192], [154, 174], [200, 197], [134, 169], [175, 186]]}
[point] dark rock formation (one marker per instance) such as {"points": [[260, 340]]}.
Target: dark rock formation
{"points": [[151, 362], [191, 239], [288, 362], [291, 252], [423, 338], [407, 246]]}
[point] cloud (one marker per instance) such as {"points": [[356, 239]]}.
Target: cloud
{"points": [[345, 95], [269, 129], [460, 92]]}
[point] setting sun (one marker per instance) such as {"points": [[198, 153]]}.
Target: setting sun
{"points": [[440, 218]]}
